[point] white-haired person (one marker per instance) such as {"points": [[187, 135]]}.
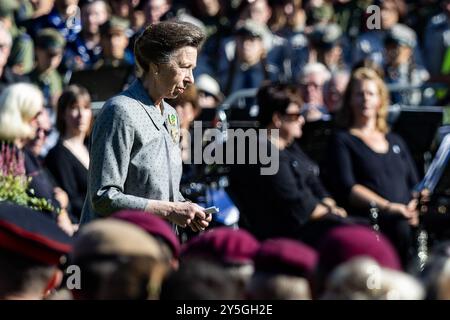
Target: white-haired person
{"points": [[20, 105], [312, 80], [21, 118], [362, 278]]}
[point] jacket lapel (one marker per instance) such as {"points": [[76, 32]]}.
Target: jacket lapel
{"points": [[138, 92]]}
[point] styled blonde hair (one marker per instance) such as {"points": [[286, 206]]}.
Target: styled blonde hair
{"points": [[346, 117], [19, 104]]}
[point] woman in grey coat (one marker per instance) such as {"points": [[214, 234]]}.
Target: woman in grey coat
{"points": [[135, 155]]}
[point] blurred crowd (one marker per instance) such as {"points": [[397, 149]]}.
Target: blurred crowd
{"points": [[344, 228]]}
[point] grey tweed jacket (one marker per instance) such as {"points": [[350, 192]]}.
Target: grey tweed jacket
{"points": [[134, 155]]}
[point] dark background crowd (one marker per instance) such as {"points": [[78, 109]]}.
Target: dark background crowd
{"points": [[359, 100]]}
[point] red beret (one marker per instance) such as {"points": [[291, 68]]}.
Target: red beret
{"points": [[285, 256], [223, 244], [342, 244], [32, 234], [152, 224]]}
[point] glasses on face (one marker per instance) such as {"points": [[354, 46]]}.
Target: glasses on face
{"points": [[205, 94], [44, 131], [294, 116]]}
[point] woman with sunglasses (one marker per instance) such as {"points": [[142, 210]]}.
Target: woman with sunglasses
{"points": [[68, 161], [280, 205]]}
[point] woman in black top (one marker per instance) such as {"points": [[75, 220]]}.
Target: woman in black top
{"points": [[280, 204], [68, 161], [369, 166]]}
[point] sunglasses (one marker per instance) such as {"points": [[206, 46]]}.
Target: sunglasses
{"points": [[206, 94], [45, 132], [293, 116]]}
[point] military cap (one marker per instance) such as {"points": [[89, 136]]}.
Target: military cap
{"points": [[7, 7], [153, 225], [111, 237], [285, 256], [50, 39], [341, 244], [402, 35], [223, 244], [113, 25], [251, 28], [32, 234], [208, 84], [323, 12]]}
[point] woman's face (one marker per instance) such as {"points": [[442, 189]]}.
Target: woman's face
{"points": [[120, 8], [365, 100], [250, 49], [36, 120], [114, 45], [209, 7], [389, 15], [78, 117], [43, 127], [155, 10], [173, 77], [333, 56], [34, 123], [93, 16], [259, 11], [291, 123], [48, 60]]}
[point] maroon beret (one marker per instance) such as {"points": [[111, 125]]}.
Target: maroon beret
{"points": [[342, 244], [223, 244], [285, 256], [152, 224], [32, 234]]}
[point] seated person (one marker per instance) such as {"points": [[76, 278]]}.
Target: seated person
{"points": [[250, 66], [208, 91], [85, 50], [327, 46], [400, 67], [369, 166], [280, 204], [312, 80], [49, 52], [114, 42], [68, 161], [334, 90], [42, 181]]}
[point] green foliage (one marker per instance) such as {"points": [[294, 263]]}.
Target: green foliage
{"points": [[16, 189], [14, 184]]}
